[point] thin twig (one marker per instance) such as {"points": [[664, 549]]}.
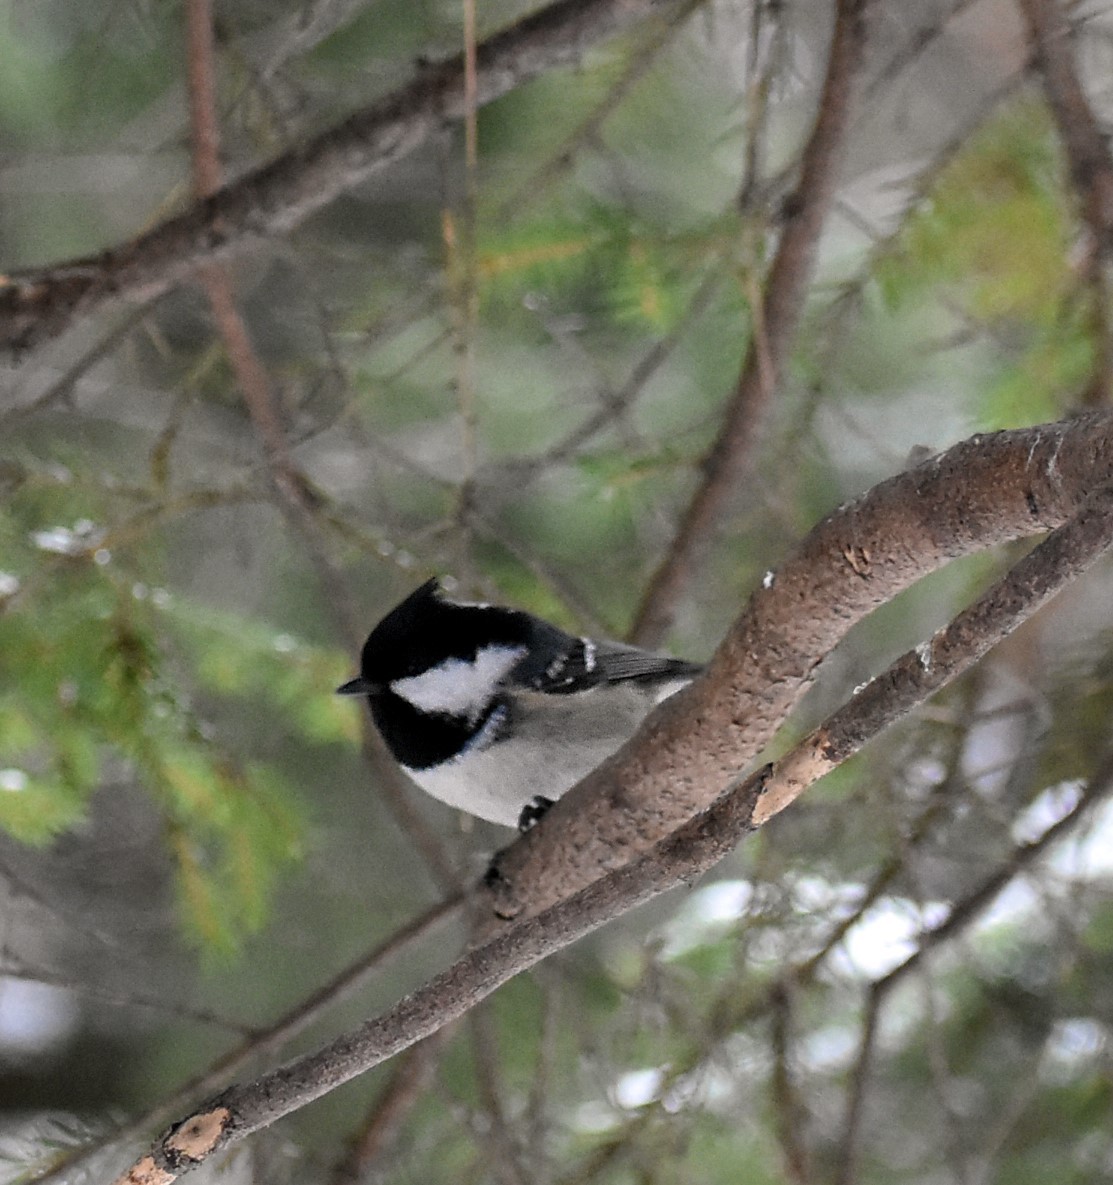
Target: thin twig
{"points": [[500, 1142], [61, 390], [846, 1160], [587, 130], [296, 498], [464, 290], [125, 999], [787, 1108]]}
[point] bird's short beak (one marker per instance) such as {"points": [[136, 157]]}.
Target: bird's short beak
{"points": [[357, 686]]}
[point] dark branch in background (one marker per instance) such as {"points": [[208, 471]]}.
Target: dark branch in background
{"points": [[127, 999], [499, 1144], [1091, 171], [788, 1110], [616, 403], [251, 375], [680, 857], [773, 324], [757, 189], [377, 1136], [962, 914], [38, 304], [986, 490], [62, 389]]}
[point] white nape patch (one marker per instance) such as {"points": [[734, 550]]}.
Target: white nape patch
{"points": [[457, 687]]}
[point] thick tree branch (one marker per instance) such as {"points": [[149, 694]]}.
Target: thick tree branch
{"points": [[984, 491], [691, 849], [775, 319], [39, 304]]}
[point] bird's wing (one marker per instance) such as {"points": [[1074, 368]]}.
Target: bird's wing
{"points": [[620, 662], [560, 664]]}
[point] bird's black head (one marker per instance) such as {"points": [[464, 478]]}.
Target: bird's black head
{"points": [[425, 631], [432, 670]]}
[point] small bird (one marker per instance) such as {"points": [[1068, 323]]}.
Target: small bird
{"points": [[496, 712]]}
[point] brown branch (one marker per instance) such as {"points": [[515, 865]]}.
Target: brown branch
{"points": [[683, 855], [788, 1110], [296, 498], [775, 318], [250, 374], [500, 1148], [1087, 154], [379, 1132], [1091, 171], [986, 490], [846, 1164], [961, 915], [266, 1042], [619, 402], [39, 304]]}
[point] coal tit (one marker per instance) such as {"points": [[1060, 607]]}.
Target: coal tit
{"points": [[496, 712]]}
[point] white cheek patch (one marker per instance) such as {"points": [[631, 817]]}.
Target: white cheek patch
{"points": [[458, 687]]}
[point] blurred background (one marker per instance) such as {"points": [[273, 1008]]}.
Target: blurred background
{"points": [[507, 372]]}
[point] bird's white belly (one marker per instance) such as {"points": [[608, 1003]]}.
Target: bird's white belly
{"points": [[555, 742]]}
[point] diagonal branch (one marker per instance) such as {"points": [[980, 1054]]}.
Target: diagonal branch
{"points": [[1091, 171], [379, 1131], [263, 1043], [984, 491], [683, 855], [39, 304], [1087, 154], [962, 914], [775, 318]]}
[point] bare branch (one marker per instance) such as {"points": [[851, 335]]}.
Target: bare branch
{"points": [[787, 1106], [380, 1130], [1091, 170], [1087, 154], [983, 491], [962, 914], [274, 198], [266, 1042], [586, 131], [296, 498]]}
